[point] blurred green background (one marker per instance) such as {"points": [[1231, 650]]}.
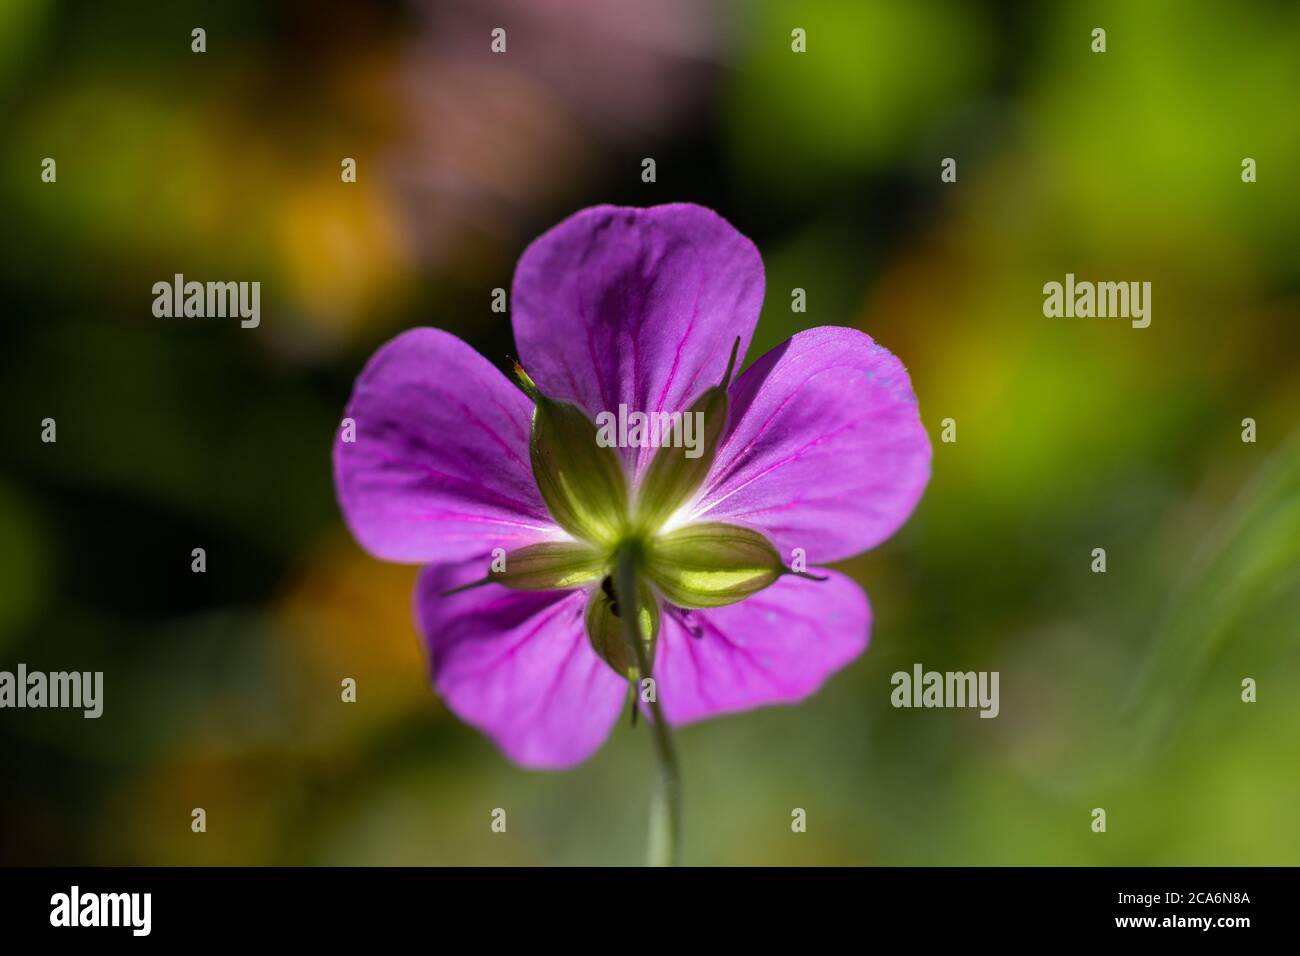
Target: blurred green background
{"points": [[1119, 691]]}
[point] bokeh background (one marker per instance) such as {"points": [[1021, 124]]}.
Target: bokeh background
{"points": [[1119, 691]]}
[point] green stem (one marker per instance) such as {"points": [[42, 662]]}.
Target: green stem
{"points": [[666, 805]]}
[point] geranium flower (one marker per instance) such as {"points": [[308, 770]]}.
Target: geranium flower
{"points": [[814, 454]]}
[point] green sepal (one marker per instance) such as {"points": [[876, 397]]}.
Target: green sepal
{"points": [[581, 482], [672, 477], [712, 564], [550, 566], [609, 636]]}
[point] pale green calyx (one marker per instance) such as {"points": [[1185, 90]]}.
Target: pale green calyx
{"points": [[712, 564], [673, 476], [548, 566], [608, 632], [581, 482], [620, 542]]}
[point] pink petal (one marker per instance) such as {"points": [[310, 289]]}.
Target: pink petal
{"points": [[518, 666], [439, 470], [640, 307], [824, 451], [776, 647]]}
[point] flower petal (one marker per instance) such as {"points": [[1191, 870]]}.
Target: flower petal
{"points": [[439, 470], [776, 647], [824, 451], [518, 666], [618, 305]]}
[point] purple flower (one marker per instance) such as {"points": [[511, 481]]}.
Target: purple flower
{"points": [[814, 454]]}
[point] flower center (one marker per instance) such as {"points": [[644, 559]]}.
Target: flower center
{"points": [[627, 548]]}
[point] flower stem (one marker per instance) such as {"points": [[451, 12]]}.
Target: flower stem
{"points": [[666, 804]]}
